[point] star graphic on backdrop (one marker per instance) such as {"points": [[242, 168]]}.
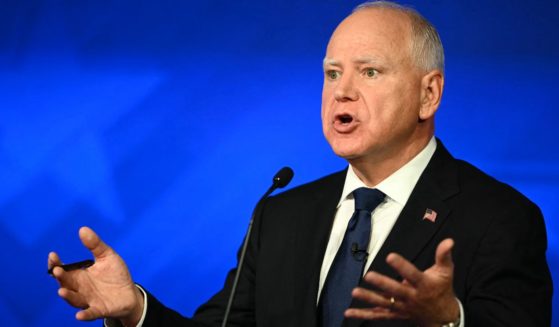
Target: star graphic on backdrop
{"points": [[52, 146]]}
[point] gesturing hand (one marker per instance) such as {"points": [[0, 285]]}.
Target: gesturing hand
{"points": [[426, 298], [102, 290]]}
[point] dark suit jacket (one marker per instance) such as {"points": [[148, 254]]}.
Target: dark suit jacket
{"points": [[501, 274]]}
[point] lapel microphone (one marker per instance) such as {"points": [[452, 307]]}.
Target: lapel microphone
{"points": [[358, 254], [280, 180]]}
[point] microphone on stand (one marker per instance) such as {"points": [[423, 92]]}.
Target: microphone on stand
{"points": [[280, 180]]}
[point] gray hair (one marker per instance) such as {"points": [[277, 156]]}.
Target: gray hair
{"points": [[426, 48]]}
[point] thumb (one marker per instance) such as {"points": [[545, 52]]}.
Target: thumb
{"points": [[443, 257], [91, 241]]}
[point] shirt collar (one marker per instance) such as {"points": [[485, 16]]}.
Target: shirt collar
{"points": [[400, 184]]}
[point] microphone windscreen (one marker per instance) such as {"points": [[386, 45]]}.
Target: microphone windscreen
{"points": [[283, 177]]}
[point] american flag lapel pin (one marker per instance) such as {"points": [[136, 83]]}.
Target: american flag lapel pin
{"points": [[430, 215]]}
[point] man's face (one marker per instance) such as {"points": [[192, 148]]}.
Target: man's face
{"points": [[372, 88]]}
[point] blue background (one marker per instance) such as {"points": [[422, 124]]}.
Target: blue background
{"points": [[133, 116]]}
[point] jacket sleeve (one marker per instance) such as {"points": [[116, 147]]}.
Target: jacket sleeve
{"points": [[211, 313], [509, 283]]}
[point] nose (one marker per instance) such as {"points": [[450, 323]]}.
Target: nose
{"points": [[346, 90]]}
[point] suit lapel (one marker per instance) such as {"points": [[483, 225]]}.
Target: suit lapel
{"points": [[411, 233], [312, 236]]}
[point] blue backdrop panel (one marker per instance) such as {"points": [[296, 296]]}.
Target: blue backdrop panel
{"points": [[132, 116]]}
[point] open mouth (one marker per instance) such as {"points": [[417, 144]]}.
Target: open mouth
{"points": [[344, 119], [345, 123]]}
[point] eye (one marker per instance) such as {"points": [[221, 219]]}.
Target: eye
{"points": [[371, 72], [332, 74]]}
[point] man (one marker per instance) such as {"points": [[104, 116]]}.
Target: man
{"points": [[384, 77]]}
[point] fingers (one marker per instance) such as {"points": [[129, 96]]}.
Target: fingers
{"points": [[443, 259], [388, 286], [373, 313], [53, 260], [404, 268], [65, 278], [72, 297], [443, 256], [371, 297], [91, 241], [77, 300], [88, 314], [417, 297]]}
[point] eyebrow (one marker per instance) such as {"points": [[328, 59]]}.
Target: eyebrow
{"points": [[330, 62], [365, 60], [361, 60]]}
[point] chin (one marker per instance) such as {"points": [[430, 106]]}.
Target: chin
{"points": [[349, 146], [346, 152]]}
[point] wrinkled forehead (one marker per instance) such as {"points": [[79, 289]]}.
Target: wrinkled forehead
{"points": [[380, 31]]}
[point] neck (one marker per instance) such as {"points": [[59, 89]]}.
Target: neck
{"points": [[373, 169]]}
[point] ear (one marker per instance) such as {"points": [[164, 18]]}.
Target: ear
{"points": [[431, 92]]}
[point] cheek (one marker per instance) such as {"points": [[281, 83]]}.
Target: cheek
{"points": [[383, 117], [324, 125], [393, 118], [324, 119], [323, 110], [326, 105]]}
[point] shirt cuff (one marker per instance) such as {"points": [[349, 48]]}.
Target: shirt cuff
{"points": [[462, 318], [110, 322]]}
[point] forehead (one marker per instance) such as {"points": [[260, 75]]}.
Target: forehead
{"points": [[378, 33]]}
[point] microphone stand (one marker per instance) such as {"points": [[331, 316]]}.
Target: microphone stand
{"points": [[281, 179]]}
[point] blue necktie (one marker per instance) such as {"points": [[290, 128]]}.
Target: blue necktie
{"points": [[347, 269]]}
